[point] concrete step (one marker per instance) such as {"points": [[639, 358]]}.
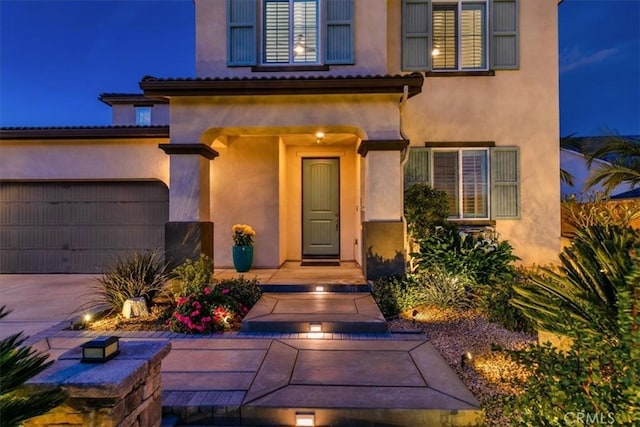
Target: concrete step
{"points": [[338, 383], [316, 287], [344, 312]]}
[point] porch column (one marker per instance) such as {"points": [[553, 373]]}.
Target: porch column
{"points": [[189, 231], [382, 225]]}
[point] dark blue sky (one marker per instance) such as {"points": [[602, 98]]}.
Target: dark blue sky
{"points": [[57, 56]]}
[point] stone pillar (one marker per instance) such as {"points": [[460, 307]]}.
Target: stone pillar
{"points": [[383, 230], [189, 231], [123, 392]]}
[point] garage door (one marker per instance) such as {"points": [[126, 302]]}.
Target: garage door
{"points": [[78, 227]]}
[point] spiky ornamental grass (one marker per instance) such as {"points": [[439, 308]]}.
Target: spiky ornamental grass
{"points": [[142, 274], [19, 363]]}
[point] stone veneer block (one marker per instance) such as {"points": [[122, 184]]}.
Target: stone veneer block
{"points": [[123, 392]]}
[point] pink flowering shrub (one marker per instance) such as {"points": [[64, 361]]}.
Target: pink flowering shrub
{"points": [[214, 307], [210, 310]]}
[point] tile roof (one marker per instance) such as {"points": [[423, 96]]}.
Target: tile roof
{"points": [[129, 98], [313, 85], [83, 132]]}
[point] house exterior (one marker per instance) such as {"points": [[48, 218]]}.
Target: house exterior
{"points": [[306, 118], [574, 161]]}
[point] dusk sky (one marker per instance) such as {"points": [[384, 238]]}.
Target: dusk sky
{"points": [[57, 56]]}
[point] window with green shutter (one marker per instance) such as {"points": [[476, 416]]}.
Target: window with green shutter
{"points": [[481, 183], [459, 35], [293, 32]]}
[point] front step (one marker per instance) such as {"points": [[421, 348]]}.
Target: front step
{"points": [[317, 287], [327, 312], [338, 382]]}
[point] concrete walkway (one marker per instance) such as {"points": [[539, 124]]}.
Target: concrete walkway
{"points": [[266, 378]]}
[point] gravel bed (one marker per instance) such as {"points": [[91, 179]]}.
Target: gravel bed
{"points": [[455, 333]]}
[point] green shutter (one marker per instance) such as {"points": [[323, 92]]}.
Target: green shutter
{"points": [[339, 32], [416, 43], [504, 34], [241, 32], [417, 170], [505, 182]]}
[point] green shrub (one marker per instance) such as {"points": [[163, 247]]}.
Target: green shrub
{"points": [[598, 379], [483, 257], [394, 294], [244, 291], [437, 287], [19, 363], [204, 305], [495, 302], [592, 271], [142, 274], [192, 275], [424, 208], [205, 310]]}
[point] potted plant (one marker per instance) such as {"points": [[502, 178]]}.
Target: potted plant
{"points": [[243, 247]]}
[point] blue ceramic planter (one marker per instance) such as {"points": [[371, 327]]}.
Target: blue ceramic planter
{"points": [[242, 258]]}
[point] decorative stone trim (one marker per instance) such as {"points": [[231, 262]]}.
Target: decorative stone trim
{"points": [[382, 145], [125, 391], [199, 149]]}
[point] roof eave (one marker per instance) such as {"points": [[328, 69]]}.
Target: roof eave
{"points": [[285, 86], [107, 132]]}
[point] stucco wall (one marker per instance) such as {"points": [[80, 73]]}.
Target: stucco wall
{"points": [[211, 47], [80, 159], [244, 189], [125, 114], [512, 108]]}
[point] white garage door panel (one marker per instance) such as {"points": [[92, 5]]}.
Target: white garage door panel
{"points": [[78, 227]]}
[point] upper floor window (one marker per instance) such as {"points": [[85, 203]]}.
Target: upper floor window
{"points": [[481, 183], [289, 32], [459, 35], [143, 115]]}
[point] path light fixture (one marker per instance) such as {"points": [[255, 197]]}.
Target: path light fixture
{"points": [[100, 350], [466, 358]]}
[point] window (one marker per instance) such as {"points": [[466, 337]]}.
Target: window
{"points": [[454, 35], [459, 36], [481, 183], [289, 32], [143, 116]]}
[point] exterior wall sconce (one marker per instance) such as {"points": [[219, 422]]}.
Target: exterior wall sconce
{"points": [[100, 350], [305, 419]]}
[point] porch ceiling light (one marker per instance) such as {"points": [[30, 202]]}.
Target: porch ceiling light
{"points": [[320, 135], [305, 419]]}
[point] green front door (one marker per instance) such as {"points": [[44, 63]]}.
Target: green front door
{"points": [[321, 208]]}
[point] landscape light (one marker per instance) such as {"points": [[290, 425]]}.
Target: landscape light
{"points": [[315, 327], [305, 419], [100, 350]]}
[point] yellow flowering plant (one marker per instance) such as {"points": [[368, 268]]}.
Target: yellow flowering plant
{"points": [[243, 235]]}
